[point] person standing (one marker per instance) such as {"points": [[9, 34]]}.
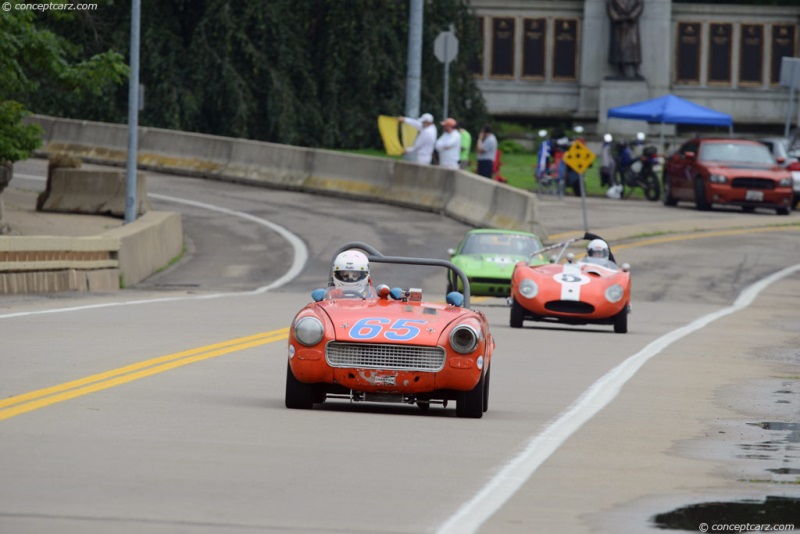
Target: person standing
{"points": [[466, 145], [449, 145], [422, 149], [487, 151]]}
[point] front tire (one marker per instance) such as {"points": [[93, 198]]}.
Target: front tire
{"points": [[299, 396], [486, 390], [700, 195], [470, 403], [517, 314], [621, 321]]}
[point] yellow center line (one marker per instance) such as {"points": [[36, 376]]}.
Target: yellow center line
{"points": [[34, 400]]}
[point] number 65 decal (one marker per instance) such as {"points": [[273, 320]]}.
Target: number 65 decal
{"points": [[400, 330]]}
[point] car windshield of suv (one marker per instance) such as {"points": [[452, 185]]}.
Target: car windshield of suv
{"points": [[736, 153], [513, 245]]}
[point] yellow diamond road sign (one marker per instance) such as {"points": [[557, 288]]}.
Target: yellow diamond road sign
{"points": [[579, 157]]}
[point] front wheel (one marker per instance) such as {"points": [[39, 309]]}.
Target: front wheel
{"points": [[517, 314], [700, 195], [621, 321], [650, 185], [299, 396], [470, 403]]}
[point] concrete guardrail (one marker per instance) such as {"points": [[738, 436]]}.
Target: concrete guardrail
{"points": [[461, 195], [128, 254]]}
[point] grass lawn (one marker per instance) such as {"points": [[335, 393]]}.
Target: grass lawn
{"points": [[518, 168]]}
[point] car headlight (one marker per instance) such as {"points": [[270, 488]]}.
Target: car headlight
{"points": [[464, 339], [309, 331], [614, 293], [528, 288], [717, 179], [785, 182]]}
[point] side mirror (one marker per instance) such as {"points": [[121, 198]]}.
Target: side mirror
{"points": [[451, 252], [570, 257], [626, 267], [318, 294], [781, 160], [690, 155]]}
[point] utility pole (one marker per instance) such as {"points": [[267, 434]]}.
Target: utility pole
{"points": [[133, 115], [414, 74]]}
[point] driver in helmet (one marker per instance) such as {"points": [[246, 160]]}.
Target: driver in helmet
{"points": [[598, 253], [351, 274]]}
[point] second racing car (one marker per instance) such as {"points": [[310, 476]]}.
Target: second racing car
{"points": [[591, 290]]}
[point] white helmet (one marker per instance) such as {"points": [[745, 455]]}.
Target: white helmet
{"points": [[351, 271], [597, 250]]}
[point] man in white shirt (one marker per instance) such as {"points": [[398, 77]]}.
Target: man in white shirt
{"points": [[422, 149], [449, 145]]}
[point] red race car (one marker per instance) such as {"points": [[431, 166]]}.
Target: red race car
{"points": [[736, 172], [388, 345], [589, 291]]}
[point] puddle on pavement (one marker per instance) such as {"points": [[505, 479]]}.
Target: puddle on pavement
{"points": [[774, 510]]}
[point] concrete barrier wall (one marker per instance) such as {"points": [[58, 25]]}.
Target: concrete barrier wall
{"points": [[461, 195], [122, 256], [147, 245], [93, 192]]}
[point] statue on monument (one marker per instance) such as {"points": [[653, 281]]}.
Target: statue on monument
{"points": [[625, 50]]}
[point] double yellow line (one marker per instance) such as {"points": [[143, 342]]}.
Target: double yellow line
{"points": [[40, 398]]}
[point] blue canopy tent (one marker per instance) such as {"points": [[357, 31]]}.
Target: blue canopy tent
{"points": [[670, 109]]}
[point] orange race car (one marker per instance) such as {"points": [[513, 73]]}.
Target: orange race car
{"points": [[588, 291], [388, 345]]}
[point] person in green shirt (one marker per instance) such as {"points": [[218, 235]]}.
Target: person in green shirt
{"points": [[466, 145]]}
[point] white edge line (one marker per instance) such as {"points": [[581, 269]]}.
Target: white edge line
{"points": [[299, 261], [503, 485]]}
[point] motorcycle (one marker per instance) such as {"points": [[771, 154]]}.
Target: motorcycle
{"points": [[638, 171]]}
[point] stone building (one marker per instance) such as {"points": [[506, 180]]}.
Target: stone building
{"points": [[549, 59]]}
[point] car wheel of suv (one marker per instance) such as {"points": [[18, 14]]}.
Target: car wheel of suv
{"points": [[700, 195]]}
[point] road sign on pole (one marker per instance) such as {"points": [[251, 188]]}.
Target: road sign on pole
{"points": [[445, 48], [580, 158]]}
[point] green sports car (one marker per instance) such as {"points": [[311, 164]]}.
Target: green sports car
{"points": [[488, 256]]}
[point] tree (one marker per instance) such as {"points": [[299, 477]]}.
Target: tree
{"points": [[32, 58], [308, 73]]}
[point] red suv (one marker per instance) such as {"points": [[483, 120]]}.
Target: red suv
{"points": [[736, 172]]}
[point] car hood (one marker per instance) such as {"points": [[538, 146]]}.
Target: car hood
{"points": [[387, 321], [488, 263], [773, 172], [556, 271]]}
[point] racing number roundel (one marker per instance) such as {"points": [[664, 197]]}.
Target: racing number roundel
{"points": [[571, 278], [400, 330]]}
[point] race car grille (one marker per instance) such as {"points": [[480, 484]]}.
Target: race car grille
{"points": [[370, 356], [753, 183], [569, 306]]}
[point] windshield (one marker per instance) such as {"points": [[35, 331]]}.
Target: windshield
{"points": [[736, 153], [507, 244]]}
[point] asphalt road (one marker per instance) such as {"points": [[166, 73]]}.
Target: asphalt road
{"points": [[166, 409]]}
